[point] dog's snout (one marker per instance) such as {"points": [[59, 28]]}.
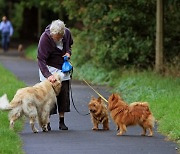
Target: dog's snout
{"points": [[92, 111]]}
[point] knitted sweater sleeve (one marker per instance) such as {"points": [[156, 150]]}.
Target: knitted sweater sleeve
{"points": [[44, 49]]}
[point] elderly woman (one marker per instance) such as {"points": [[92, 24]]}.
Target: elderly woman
{"points": [[54, 44]]}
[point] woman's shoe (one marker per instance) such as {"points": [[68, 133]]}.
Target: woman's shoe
{"points": [[62, 126]]}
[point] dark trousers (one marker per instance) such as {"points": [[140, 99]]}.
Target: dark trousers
{"points": [[63, 99], [5, 41]]}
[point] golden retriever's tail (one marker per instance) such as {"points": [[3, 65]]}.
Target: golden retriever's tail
{"points": [[4, 103]]}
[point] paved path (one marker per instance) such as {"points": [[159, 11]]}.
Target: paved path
{"points": [[80, 139]]}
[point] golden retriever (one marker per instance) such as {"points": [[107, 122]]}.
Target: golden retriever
{"points": [[34, 102]]}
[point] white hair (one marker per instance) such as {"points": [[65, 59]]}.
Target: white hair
{"points": [[57, 27]]}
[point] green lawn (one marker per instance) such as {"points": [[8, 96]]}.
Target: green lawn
{"points": [[31, 52], [10, 141]]}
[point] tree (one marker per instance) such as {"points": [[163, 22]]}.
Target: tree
{"points": [[159, 36]]}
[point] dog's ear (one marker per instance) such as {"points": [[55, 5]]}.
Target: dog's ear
{"points": [[92, 98], [99, 100], [112, 97]]}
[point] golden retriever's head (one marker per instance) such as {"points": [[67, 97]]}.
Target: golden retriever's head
{"points": [[57, 84], [95, 105]]}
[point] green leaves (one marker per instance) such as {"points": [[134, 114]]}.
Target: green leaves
{"points": [[113, 32], [119, 30]]}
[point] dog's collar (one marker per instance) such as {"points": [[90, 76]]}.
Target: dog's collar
{"points": [[100, 120]]}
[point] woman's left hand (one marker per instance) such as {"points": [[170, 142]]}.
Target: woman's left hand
{"points": [[67, 54]]}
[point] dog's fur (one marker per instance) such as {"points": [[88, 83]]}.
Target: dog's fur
{"points": [[34, 102], [125, 115], [99, 113]]}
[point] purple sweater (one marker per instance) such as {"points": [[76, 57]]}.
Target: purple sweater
{"points": [[49, 54]]}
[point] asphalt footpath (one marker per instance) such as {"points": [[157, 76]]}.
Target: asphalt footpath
{"points": [[80, 138]]}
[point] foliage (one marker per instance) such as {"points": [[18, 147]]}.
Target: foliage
{"points": [[85, 47], [31, 52], [123, 32], [111, 33], [52, 4], [2, 5], [17, 19], [119, 36], [172, 32]]}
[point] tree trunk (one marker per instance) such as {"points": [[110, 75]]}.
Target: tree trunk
{"points": [[159, 36]]}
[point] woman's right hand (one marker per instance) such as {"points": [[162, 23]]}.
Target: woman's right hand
{"points": [[52, 78]]}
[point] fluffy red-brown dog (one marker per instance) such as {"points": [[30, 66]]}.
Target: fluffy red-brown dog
{"points": [[126, 115]]}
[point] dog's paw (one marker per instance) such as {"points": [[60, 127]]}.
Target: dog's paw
{"points": [[119, 134], [94, 128], [117, 129], [35, 131], [44, 129], [143, 134], [106, 128], [150, 135]]}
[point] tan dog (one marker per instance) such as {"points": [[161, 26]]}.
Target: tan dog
{"points": [[21, 50], [125, 115], [99, 114], [34, 102]]}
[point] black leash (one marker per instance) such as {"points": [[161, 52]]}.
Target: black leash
{"points": [[73, 100]]}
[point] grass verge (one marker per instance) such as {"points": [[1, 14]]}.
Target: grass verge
{"points": [[10, 141], [31, 52]]}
